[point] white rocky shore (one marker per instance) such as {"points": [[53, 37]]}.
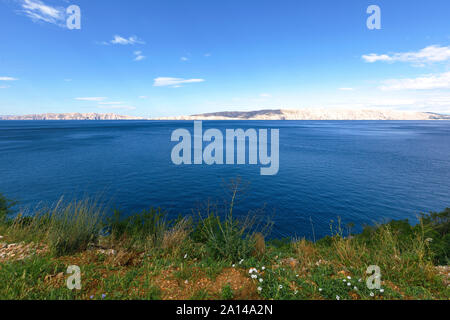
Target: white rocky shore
{"points": [[313, 114], [71, 116]]}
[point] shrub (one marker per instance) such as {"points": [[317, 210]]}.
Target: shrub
{"points": [[5, 208], [73, 226], [145, 229]]}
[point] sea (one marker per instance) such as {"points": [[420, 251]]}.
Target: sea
{"points": [[353, 172]]}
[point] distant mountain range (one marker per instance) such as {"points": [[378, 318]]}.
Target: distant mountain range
{"points": [[314, 114], [71, 116], [301, 114]]}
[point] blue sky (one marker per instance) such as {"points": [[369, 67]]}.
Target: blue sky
{"points": [[178, 57]]}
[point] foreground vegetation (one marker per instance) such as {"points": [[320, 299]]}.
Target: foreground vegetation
{"points": [[212, 256]]}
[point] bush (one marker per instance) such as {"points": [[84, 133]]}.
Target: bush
{"points": [[141, 230], [73, 227], [5, 206]]}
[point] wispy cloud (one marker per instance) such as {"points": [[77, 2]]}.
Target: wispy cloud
{"points": [[346, 89], [97, 99], [5, 87], [38, 11], [8, 79], [122, 107], [138, 56], [111, 103], [174, 82], [133, 40], [265, 95], [426, 82], [184, 59], [429, 54]]}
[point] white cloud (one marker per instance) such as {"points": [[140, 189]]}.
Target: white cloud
{"points": [[265, 95], [143, 97], [110, 103], [184, 59], [426, 82], [429, 54], [39, 11], [125, 41], [91, 99], [346, 89], [117, 107], [8, 79], [138, 56], [174, 82], [5, 87]]}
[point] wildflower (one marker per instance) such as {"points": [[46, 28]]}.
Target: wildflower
{"points": [[338, 298], [296, 291], [372, 294], [345, 280], [263, 268], [91, 297], [185, 256], [281, 287], [356, 288], [381, 290], [252, 270], [349, 278], [240, 262], [259, 289], [254, 276], [233, 266], [349, 284], [103, 296], [359, 280], [261, 280], [320, 289], [296, 275]]}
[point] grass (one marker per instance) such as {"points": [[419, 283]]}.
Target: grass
{"points": [[215, 256]]}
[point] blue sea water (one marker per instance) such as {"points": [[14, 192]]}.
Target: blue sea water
{"points": [[362, 172]]}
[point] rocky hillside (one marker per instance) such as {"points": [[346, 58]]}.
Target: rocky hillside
{"points": [[314, 114], [70, 116]]}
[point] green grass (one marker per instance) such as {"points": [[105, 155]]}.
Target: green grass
{"points": [[172, 257]]}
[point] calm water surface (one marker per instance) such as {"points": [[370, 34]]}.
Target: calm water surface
{"points": [[363, 171]]}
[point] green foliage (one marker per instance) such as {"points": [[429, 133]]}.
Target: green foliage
{"points": [[228, 239], [144, 229], [73, 227], [25, 280], [227, 293], [5, 208]]}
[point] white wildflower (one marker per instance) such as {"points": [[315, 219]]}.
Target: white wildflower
{"points": [[372, 294], [338, 298]]}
